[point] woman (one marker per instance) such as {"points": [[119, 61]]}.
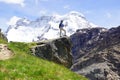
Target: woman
{"points": [[61, 25]]}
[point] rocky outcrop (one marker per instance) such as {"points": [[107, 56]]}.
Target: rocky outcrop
{"points": [[5, 52], [57, 50], [2, 36], [96, 53]]}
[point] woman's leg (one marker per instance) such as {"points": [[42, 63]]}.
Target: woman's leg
{"points": [[60, 32], [64, 32], [61, 29]]}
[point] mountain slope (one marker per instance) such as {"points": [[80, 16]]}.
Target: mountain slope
{"points": [[46, 27], [23, 66], [96, 53]]}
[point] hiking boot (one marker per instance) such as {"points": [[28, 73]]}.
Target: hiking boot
{"points": [[65, 35]]}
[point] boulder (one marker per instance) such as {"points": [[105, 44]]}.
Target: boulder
{"points": [[5, 52], [57, 50]]}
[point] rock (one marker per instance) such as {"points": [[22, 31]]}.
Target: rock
{"points": [[5, 52], [96, 53], [2, 36], [57, 50]]}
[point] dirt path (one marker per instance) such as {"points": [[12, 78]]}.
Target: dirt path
{"points": [[5, 53]]}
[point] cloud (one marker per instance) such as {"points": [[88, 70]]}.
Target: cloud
{"points": [[38, 1], [109, 15], [66, 7], [20, 2], [13, 20], [43, 12]]}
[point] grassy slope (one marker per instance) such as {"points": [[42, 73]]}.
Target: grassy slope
{"points": [[3, 41], [27, 67]]}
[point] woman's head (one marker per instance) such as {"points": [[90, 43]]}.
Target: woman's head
{"points": [[61, 20]]}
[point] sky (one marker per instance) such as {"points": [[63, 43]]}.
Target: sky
{"points": [[104, 13]]}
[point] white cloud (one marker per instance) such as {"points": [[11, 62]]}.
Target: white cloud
{"points": [[43, 12], [20, 2], [37, 1], [109, 15], [66, 7], [13, 20]]}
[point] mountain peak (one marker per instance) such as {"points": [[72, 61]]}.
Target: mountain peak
{"points": [[76, 13], [46, 27], [22, 22], [13, 20]]}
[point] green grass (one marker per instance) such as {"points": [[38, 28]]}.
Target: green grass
{"points": [[3, 41], [23, 66]]}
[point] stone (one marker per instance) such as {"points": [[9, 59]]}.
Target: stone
{"points": [[5, 52], [56, 50]]}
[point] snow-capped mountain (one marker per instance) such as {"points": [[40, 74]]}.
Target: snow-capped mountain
{"points": [[46, 27]]}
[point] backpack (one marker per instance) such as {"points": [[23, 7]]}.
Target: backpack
{"points": [[61, 24]]}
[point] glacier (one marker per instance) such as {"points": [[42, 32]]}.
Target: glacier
{"points": [[46, 27]]}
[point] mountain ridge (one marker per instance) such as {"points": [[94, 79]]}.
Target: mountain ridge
{"points": [[46, 27], [96, 54]]}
